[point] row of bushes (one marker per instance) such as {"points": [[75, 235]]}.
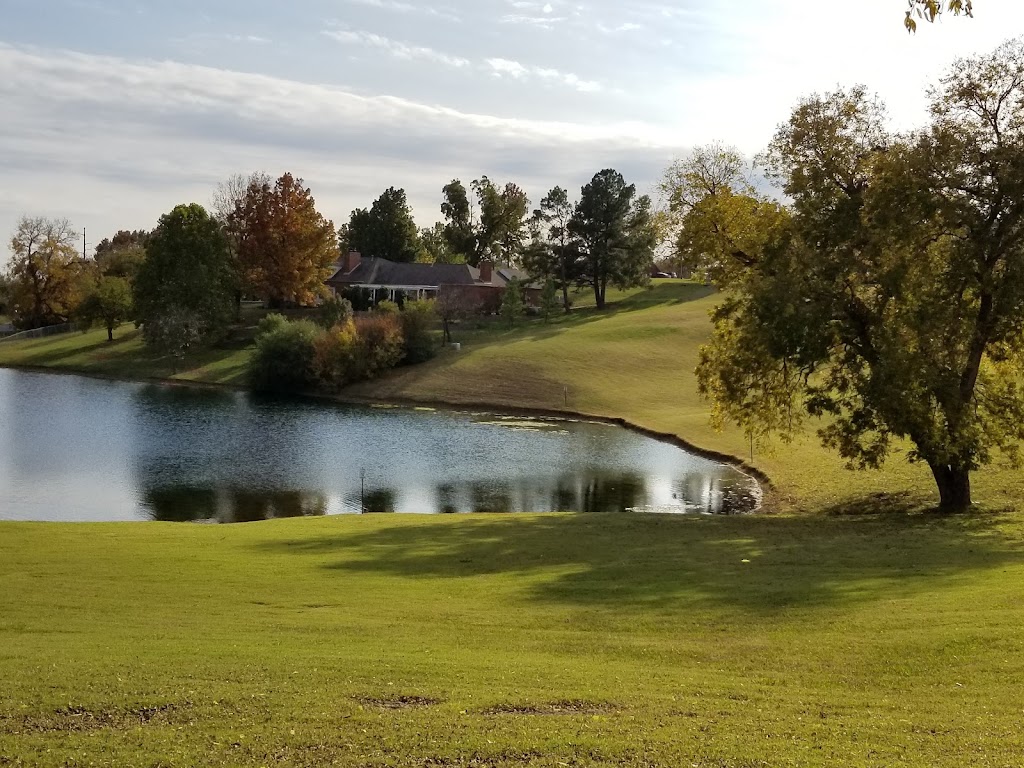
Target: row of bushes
{"points": [[302, 356]]}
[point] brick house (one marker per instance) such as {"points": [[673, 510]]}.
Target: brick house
{"points": [[384, 279]]}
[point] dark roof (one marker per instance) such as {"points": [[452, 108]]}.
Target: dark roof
{"points": [[374, 271]]}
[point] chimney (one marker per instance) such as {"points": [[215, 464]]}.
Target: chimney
{"points": [[352, 261], [486, 270]]}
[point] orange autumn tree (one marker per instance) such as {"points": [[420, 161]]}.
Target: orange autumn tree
{"points": [[284, 247]]}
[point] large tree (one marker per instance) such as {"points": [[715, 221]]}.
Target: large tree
{"points": [[616, 233], [121, 255], [48, 277], [554, 253], [386, 230], [459, 228], [503, 227], [285, 248], [891, 302], [108, 303], [187, 282]]}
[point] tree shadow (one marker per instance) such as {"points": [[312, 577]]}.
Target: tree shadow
{"points": [[756, 564]]}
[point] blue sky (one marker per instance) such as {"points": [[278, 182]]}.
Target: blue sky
{"points": [[116, 110]]}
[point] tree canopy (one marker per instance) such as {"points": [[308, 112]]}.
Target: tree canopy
{"points": [[887, 297], [47, 275], [284, 246], [387, 229], [186, 286], [616, 234]]}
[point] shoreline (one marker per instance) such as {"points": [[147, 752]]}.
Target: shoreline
{"points": [[762, 480]]}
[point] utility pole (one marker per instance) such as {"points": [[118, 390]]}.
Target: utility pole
{"points": [[83, 243]]}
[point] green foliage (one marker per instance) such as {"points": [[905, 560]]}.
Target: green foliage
{"points": [[435, 248], [175, 331], [459, 232], [617, 234], [386, 307], [554, 254], [548, 300], [387, 230], [502, 228], [187, 280], [283, 360], [418, 320], [334, 310], [889, 299], [512, 304], [109, 303]]}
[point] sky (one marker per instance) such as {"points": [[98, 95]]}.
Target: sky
{"points": [[114, 111]]}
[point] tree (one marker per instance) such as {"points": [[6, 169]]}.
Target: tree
{"points": [[502, 229], [616, 233], [459, 230], [229, 194], [184, 291], [109, 303], [451, 306], [285, 247], [47, 274], [716, 215], [386, 230], [554, 254], [512, 304], [121, 255], [548, 299], [435, 249], [929, 10], [892, 301]]}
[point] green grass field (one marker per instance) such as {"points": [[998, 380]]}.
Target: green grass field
{"points": [[849, 628], [552, 640]]}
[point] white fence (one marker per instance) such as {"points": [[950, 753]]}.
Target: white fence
{"points": [[39, 333]]}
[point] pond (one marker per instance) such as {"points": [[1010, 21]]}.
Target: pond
{"points": [[82, 449]]}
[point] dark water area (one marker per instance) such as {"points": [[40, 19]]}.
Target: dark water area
{"points": [[82, 449]]}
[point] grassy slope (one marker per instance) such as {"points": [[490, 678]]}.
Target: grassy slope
{"points": [[843, 640], [634, 361]]}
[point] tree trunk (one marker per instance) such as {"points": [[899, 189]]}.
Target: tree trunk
{"points": [[110, 333], [954, 483], [599, 294]]}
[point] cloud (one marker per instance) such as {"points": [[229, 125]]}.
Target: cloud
{"points": [[519, 71], [113, 142], [395, 48], [401, 7]]}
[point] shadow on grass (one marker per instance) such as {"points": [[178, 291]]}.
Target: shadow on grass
{"points": [[756, 564]]}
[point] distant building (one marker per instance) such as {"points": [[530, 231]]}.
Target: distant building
{"points": [[382, 279]]}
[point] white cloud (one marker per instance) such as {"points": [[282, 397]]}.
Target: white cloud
{"points": [[112, 142], [519, 71], [402, 7], [395, 48]]}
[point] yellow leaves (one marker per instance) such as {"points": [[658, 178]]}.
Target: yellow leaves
{"points": [[929, 10]]}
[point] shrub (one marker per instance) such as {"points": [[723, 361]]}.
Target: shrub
{"points": [[335, 357], [387, 308], [380, 347], [512, 305], [418, 321], [334, 311], [284, 355]]}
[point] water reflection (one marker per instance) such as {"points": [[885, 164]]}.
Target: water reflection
{"points": [[81, 449]]}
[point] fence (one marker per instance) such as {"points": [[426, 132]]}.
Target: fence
{"points": [[39, 333]]}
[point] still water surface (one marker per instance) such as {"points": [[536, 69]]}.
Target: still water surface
{"points": [[76, 448]]}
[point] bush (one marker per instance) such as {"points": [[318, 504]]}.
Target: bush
{"points": [[380, 347], [334, 311], [335, 357], [387, 308], [284, 356], [418, 321]]}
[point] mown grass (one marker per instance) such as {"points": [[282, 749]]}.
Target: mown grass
{"points": [[885, 640]]}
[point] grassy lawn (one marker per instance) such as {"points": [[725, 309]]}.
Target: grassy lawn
{"points": [[883, 640]]}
